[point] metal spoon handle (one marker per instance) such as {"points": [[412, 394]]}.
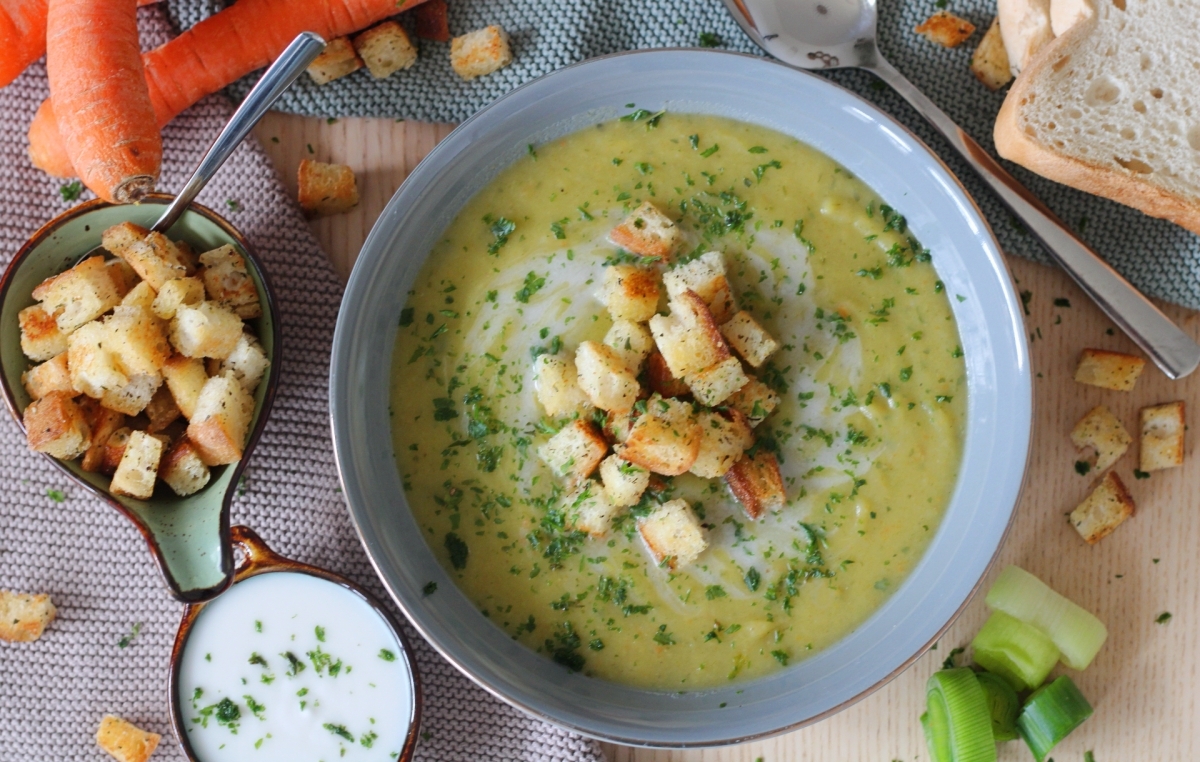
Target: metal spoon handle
{"points": [[291, 64], [1172, 350]]}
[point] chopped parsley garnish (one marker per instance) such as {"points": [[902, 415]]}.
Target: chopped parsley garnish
{"points": [[761, 169], [1140, 474], [1082, 467], [443, 409], [406, 317], [533, 284], [257, 658], [386, 655], [949, 662], [133, 633], [710, 151], [756, 149], [664, 638], [559, 228], [714, 591], [233, 204], [709, 40], [781, 657], [255, 708], [71, 191], [56, 495], [1163, 618], [501, 228], [457, 549], [368, 739], [339, 730], [429, 589], [532, 153], [564, 647]]}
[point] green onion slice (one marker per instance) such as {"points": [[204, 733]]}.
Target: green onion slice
{"points": [[1002, 703], [1076, 633], [1051, 713], [958, 725], [1018, 652]]}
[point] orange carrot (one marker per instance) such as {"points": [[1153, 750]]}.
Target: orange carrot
{"points": [[222, 48], [23, 35], [101, 102]]}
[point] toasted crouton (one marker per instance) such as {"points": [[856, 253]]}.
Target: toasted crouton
{"points": [[182, 469], [604, 378], [588, 509], [632, 341], [134, 396], [618, 424], [1162, 436], [93, 366], [480, 52], [336, 61], [946, 29], [688, 338], [755, 400], [1100, 429], [722, 442], [1103, 510], [630, 293], [227, 281], [176, 293], [660, 379], [756, 483], [51, 376], [122, 275], [385, 49], [118, 238], [432, 20], [185, 378], [23, 617], [113, 450], [221, 421], [40, 337], [705, 276], [326, 189], [749, 339], [138, 469], [575, 451], [624, 482], [646, 232], [673, 534], [55, 425], [124, 741], [140, 295], [138, 339], [714, 385], [206, 330], [989, 64], [161, 410], [248, 362], [79, 295], [156, 260], [665, 439], [1109, 370], [557, 382], [103, 423]]}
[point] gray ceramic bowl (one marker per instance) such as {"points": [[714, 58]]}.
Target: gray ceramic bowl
{"points": [[188, 537], [872, 146]]}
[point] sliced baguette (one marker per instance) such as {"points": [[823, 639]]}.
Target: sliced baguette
{"points": [[1112, 108]]}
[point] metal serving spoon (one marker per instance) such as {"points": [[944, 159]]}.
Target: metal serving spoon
{"points": [[290, 64], [830, 34]]}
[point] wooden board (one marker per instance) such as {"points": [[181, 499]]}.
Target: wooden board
{"points": [[1144, 682]]}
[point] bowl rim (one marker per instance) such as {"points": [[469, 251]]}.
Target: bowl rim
{"points": [[359, 514], [271, 304], [258, 558]]}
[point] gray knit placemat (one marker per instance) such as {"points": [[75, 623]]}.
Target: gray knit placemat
{"points": [[1160, 258], [94, 563]]}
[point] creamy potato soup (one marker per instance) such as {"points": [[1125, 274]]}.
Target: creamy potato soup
{"points": [[867, 433]]}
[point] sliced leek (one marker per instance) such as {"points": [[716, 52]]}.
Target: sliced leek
{"points": [[958, 725], [1003, 705], [1051, 713], [1018, 652], [1076, 633]]}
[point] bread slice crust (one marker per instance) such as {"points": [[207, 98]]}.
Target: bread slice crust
{"points": [[1119, 183]]}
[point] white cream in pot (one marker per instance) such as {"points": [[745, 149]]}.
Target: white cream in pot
{"points": [[288, 666]]}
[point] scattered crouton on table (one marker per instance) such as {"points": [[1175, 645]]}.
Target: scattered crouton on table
{"points": [[23, 618], [326, 189], [1163, 429], [480, 52], [1102, 431], [124, 741], [946, 29], [1109, 370], [385, 49], [1105, 508], [989, 64], [336, 61]]}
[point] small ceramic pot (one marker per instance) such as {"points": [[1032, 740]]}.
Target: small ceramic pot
{"points": [[187, 536], [257, 558]]}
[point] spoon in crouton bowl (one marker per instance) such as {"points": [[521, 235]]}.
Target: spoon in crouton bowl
{"points": [[146, 369], [830, 34]]}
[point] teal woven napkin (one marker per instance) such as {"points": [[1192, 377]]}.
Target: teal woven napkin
{"points": [[1160, 258]]}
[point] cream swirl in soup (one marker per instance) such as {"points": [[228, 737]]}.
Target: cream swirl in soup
{"points": [[867, 432]]}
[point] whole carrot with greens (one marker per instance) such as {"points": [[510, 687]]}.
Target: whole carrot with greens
{"points": [[222, 48], [23, 35], [102, 104]]}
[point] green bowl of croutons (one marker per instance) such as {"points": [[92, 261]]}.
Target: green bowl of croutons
{"points": [[145, 370]]}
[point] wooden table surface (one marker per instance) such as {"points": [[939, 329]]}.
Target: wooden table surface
{"points": [[1143, 684]]}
